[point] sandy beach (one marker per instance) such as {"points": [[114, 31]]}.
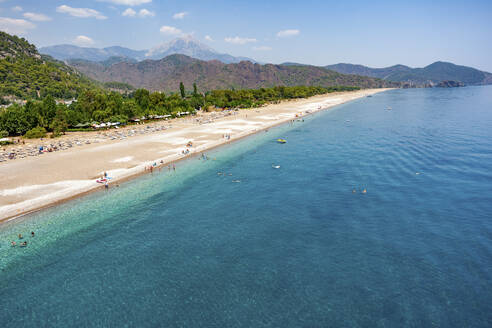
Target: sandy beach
{"points": [[32, 181]]}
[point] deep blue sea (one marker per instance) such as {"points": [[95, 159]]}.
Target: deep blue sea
{"points": [[235, 242]]}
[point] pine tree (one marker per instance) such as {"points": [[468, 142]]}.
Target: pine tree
{"points": [[182, 89], [195, 90]]}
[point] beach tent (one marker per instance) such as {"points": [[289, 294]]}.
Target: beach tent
{"points": [[82, 125]]}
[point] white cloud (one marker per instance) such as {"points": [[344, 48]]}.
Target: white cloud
{"points": [[142, 13], [17, 8], [37, 17], [129, 13], [180, 15], [83, 40], [288, 33], [209, 38], [15, 26], [238, 40], [145, 13], [262, 48], [130, 3], [80, 12], [170, 30]]}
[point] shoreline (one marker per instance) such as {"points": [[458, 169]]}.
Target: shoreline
{"points": [[28, 193]]}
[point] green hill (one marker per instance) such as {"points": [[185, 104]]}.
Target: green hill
{"points": [[25, 74], [431, 74]]}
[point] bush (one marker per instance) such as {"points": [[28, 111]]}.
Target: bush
{"points": [[4, 134], [37, 132]]}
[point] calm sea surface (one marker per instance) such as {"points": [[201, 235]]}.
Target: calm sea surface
{"points": [[256, 246]]}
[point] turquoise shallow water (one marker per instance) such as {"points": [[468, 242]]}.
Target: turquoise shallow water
{"points": [[287, 247]]}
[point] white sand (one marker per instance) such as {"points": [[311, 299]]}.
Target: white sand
{"points": [[122, 159]]}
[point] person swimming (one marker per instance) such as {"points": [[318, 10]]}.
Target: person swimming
{"points": [[23, 244], [364, 191], [354, 191], [32, 233], [20, 236], [13, 243]]}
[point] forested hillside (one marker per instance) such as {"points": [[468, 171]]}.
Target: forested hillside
{"points": [[167, 73], [25, 74], [428, 75]]}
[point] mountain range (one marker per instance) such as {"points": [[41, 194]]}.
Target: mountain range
{"points": [[185, 45], [429, 75], [26, 74], [87, 60], [166, 74]]}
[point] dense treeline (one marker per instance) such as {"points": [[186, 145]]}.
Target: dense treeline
{"points": [[97, 106]]}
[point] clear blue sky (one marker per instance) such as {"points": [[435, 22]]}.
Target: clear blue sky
{"points": [[373, 33]]}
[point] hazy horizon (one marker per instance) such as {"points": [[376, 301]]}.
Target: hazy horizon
{"points": [[379, 34]]}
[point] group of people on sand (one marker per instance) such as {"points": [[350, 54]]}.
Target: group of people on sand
{"points": [[21, 244], [154, 165]]}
